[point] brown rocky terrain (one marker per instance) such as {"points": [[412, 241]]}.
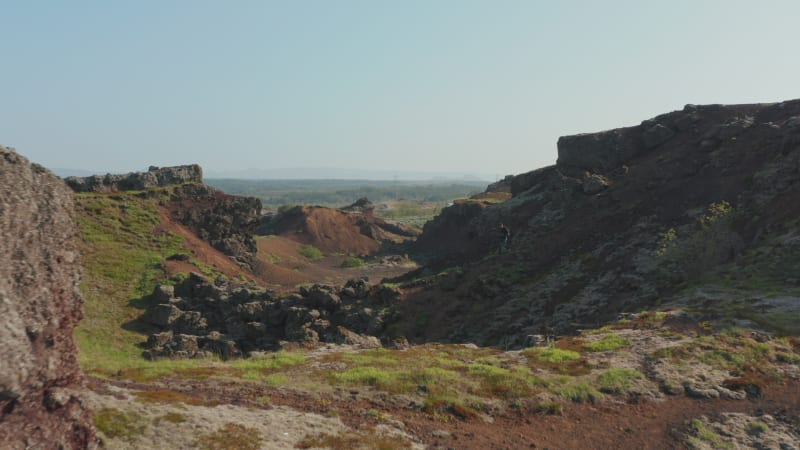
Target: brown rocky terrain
{"points": [[690, 205], [350, 230], [40, 305]]}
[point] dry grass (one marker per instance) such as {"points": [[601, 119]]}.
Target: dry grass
{"points": [[166, 396], [352, 441], [230, 437]]}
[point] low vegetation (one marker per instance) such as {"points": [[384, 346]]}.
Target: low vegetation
{"points": [[756, 428], [702, 436], [311, 252], [114, 423], [118, 240], [352, 261], [579, 392], [616, 380], [230, 436], [607, 343], [553, 354], [353, 440]]}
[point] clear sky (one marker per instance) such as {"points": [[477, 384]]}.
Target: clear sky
{"points": [[478, 87]]}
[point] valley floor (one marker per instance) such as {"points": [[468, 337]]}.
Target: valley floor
{"points": [[291, 418]]}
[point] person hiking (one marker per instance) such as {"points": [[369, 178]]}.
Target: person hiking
{"points": [[504, 235]]}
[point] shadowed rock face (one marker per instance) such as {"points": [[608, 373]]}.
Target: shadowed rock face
{"points": [[621, 223], [39, 307], [227, 222], [136, 181]]}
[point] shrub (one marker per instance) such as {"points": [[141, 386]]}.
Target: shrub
{"points": [[756, 428], [665, 241], [311, 252], [352, 261]]}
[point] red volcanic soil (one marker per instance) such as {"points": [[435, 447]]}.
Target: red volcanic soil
{"points": [[330, 230], [201, 251], [280, 265], [279, 262]]}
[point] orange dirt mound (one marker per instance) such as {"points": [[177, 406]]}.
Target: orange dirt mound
{"points": [[330, 230]]}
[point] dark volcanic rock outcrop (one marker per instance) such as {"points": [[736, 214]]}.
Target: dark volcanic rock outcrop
{"points": [[39, 307], [627, 219], [201, 317], [137, 181], [227, 222]]}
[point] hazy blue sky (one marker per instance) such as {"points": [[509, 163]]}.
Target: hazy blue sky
{"points": [[482, 87]]}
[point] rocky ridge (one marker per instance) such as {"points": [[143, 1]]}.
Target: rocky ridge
{"points": [[137, 181], [627, 219], [40, 305], [227, 222]]}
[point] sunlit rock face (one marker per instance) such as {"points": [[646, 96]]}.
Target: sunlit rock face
{"points": [[40, 305]]}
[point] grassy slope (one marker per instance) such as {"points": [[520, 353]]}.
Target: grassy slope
{"points": [[122, 263]]}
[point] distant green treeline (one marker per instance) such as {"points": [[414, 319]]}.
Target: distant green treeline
{"points": [[274, 193]]}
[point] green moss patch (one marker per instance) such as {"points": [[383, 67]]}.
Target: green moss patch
{"points": [[609, 342], [114, 423], [616, 380]]}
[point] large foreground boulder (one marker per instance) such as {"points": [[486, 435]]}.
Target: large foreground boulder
{"points": [[39, 307]]}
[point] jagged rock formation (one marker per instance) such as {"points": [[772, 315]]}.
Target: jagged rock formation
{"points": [[39, 307], [353, 229], [200, 317], [627, 219], [137, 181], [227, 222]]}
